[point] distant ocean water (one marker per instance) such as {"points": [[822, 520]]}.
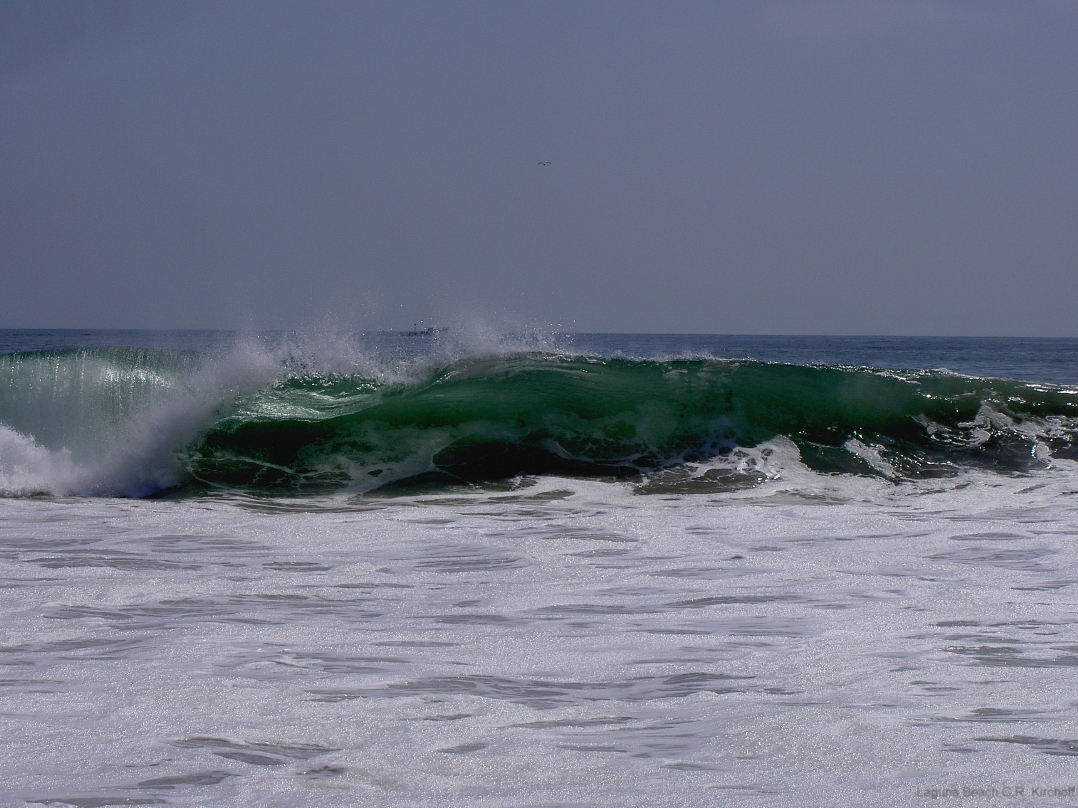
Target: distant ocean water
{"points": [[478, 569]]}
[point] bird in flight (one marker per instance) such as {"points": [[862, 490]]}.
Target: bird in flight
{"points": [[542, 163]]}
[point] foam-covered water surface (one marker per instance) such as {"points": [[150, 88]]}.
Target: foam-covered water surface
{"points": [[429, 569], [546, 642]]}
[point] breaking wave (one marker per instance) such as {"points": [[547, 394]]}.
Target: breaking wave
{"points": [[139, 421]]}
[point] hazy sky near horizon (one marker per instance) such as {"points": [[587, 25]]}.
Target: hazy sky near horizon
{"points": [[815, 167]]}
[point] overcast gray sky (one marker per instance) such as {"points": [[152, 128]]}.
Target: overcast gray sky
{"points": [[885, 167]]}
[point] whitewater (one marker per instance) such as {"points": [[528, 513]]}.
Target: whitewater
{"points": [[558, 570]]}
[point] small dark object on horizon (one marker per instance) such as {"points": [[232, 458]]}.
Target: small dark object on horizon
{"points": [[429, 331]]}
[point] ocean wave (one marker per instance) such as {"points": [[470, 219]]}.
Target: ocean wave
{"points": [[120, 421]]}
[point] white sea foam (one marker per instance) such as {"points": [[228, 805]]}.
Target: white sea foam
{"points": [[27, 469], [815, 640]]}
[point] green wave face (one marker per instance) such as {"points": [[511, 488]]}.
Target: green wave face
{"points": [[486, 419]]}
